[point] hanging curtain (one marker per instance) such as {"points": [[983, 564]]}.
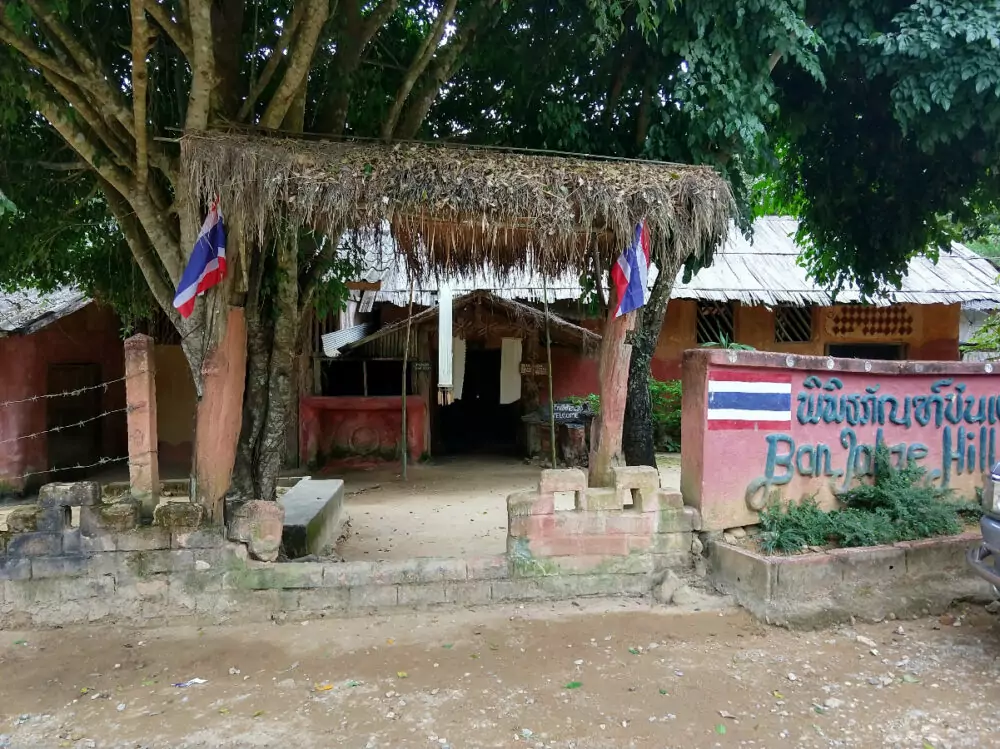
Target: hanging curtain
{"points": [[445, 343], [510, 370], [458, 367]]}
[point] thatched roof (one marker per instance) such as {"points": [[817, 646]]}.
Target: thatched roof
{"points": [[457, 209], [523, 315]]}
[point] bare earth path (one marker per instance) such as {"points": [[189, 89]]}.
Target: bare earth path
{"points": [[603, 674], [452, 508]]}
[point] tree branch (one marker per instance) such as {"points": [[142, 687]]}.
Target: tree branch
{"points": [[140, 48], [97, 124], [417, 67], [299, 62], [202, 66], [444, 65], [287, 31], [177, 33], [354, 37], [152, 219], [139, 244]]}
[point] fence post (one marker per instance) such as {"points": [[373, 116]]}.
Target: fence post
{"points": [[140, 396]]}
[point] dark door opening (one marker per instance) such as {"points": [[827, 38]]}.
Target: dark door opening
{"points": [[888, 351], [74, 443], [478, 423]]}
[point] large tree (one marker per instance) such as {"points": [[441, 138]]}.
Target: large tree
{"points": [[93, 97]]}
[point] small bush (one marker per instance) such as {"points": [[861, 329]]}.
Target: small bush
{"points": [[665, 397], [900, 504]]}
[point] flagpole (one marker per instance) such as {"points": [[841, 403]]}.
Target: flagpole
{"points": [[406, 359]]}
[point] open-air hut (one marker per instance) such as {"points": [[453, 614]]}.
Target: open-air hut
{"points": [[455, 209]]}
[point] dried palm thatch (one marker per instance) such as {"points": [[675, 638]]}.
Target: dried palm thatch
{"points": [[458, 209]]}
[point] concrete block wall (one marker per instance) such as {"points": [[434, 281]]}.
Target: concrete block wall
{"points": [[631, 527], [113, 569]]}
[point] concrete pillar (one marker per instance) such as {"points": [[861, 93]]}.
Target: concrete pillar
{"points": [[606, 436], [220, 416], [140, 396]]}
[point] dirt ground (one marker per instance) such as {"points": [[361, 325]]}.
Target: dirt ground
{"points": [[452, 508], [598, 675]]}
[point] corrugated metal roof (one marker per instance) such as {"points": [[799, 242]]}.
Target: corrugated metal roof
{"points": [[763, 270], [333, 342], [25, 311]]}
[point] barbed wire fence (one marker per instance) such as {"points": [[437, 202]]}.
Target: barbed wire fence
{"points": [[99, 463]]}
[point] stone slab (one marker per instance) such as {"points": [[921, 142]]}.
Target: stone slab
{"points": [[313, 509]]}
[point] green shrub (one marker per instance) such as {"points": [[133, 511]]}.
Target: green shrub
{"points": [[900, 504], [794, 526], [665, 398]]}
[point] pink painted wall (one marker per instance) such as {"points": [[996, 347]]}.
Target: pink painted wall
{"points": [[339, 427], [88, 336], [818, 435], [572, 374]]}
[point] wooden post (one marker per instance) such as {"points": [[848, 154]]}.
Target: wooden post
{"points": [[140, 396], [548, 356], [406, 361], [606, 436], [529, 395]]}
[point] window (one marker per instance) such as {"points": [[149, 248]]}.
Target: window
{"points": [[715, 322], [792, 324], [367, 377]]}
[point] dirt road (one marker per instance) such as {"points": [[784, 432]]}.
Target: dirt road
{"points": [[604, 674]]}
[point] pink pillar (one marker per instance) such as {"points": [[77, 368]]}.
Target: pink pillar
{"points": [[220, 416], [606, 437], [140, 396]]}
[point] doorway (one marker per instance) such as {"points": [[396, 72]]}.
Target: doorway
{"points": [[887, 351], [73, 445], [477, 423]]}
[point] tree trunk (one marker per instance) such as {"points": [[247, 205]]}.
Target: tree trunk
{"points": [[637, 437], [272, 322]]}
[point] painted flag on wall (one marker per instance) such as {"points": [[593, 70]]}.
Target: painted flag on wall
{"points": [[207, 265], [749, 400], [631, 273]]}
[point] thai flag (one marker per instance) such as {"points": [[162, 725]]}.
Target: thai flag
{"points": [[749, 400], [207, 265], [631, 272]]}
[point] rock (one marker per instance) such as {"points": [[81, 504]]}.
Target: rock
{"points": [[832, 703], [685, 595], [697, 547], [993, 607], [729, 538], [866, 641], [286, 684], [664, 590], [178, 516], [201, 565], [793, 677], [738, 532], [258, 524]]}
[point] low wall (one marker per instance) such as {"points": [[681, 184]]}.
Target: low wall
{"points": [[338, 427], [110, 570], [760, 426], [566, 525], [911, 578]]}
